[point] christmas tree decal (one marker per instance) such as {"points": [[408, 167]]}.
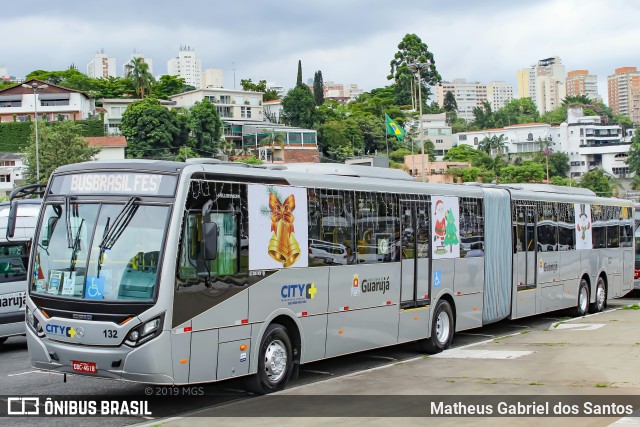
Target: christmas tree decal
{"points": [[451, 236]]}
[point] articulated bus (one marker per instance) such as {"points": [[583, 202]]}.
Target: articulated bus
{"points": [[183, 273], [14, 261]]}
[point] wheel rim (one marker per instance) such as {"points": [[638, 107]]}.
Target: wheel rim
{"points": [[600, 295], [275, 361], [584, 300], [442, 327]]}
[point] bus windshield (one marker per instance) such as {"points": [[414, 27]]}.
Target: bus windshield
{"points": [[104, 252]]}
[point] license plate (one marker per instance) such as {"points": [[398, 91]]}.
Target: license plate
{"points": [[84, 367]]}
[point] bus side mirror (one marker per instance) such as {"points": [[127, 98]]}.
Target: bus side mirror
{"points": [[11, 219], [209, 240]]}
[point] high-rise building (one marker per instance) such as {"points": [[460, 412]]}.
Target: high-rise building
{"points": [[136, 55], [101, 66], [499, 94], [468, 95], [187, 66], [278, 88], [580, 82], [213, 78], [544, 83], [623, 88]]}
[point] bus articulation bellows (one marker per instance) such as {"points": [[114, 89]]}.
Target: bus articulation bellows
{"points": [[183, 273]]}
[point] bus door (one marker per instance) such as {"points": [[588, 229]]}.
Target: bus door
{"points": [[414, 254], [526, 260]]}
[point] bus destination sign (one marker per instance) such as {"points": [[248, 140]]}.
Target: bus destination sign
{"points": [[115, 183]]}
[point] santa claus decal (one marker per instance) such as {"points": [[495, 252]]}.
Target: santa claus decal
{"points": [[583, 226], [445, 225]]}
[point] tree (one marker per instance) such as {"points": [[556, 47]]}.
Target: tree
{"points": [[483, 117], [559, 164], [205, 128], [567, 182], [633, 159], [298, 107], [318, 88], [451, 236], [412, 50], [596, 181], [528, 172], [450, 105], [138, 71], [463, 153], [58, 145], [150, 129], [299, 76], [170, 85]]}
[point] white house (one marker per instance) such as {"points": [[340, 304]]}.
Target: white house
{"points": [[114, 108], [111, 147]]}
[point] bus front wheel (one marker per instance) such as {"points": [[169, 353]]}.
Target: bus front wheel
{"points": [[275, 361], [442, 327]]}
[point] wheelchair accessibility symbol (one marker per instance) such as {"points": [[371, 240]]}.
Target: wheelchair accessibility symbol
{"points": [[437, 278], [94, 288]]}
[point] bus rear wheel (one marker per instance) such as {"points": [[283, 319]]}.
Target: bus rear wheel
{"points": [[583, 300], [442, 327], [601, 297], [275, 361]]}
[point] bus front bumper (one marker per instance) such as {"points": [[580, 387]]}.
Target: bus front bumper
{"points": [[150, 363]]}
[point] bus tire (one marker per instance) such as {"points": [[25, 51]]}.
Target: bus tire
{"points": [[275, 361], [601, 297], [3, 339], [582, 308], [442, 328]]}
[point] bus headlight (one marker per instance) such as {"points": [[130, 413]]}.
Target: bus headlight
{"points": [[33, 322], [30, 318], [145, 332]]}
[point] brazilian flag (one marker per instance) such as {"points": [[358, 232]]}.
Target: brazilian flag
{"points": [[394, 129]]}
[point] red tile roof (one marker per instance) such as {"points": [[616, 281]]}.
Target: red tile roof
{"points": [[106, 141]]}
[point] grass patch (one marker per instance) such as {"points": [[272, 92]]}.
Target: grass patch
{"points": [[631, 307], [602, 385], [524, 332], [451, 381], [535, 383], [554, 344]]}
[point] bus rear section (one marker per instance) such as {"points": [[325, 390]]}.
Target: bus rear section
{"points": [[14, 261]]}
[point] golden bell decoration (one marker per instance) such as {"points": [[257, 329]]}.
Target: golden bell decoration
{"points": [[283, 246]]}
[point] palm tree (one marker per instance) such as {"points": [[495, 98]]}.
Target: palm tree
{"points": [[138, 71]]}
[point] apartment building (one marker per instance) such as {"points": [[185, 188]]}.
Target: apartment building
{"points": [[544, 83], [187, 66], [18, 103], [212, 78], [499, 94], [580, 82], [623, 89], [436, 129], [468, 95], [101, 66]]}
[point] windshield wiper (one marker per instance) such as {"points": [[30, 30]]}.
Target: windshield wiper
{"points": [[67, 208], [76, 247], [113, 233]]}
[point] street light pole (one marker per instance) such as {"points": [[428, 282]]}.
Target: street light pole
{"points": [[417, 67], [34, 86]]}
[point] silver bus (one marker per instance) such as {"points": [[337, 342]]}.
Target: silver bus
{"points": [[183, 273], [14, 261]]}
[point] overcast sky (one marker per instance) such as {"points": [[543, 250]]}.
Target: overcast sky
{"points": [[350, 41]]}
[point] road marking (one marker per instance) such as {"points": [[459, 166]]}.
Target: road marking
{"points": [[627, 421], [481, 354], [22, 373], [475, 335], [577, 326], [317, 372]]}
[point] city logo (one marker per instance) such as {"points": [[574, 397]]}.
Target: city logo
{"points": [[64, 331], [378, 284], [298, 293]]}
